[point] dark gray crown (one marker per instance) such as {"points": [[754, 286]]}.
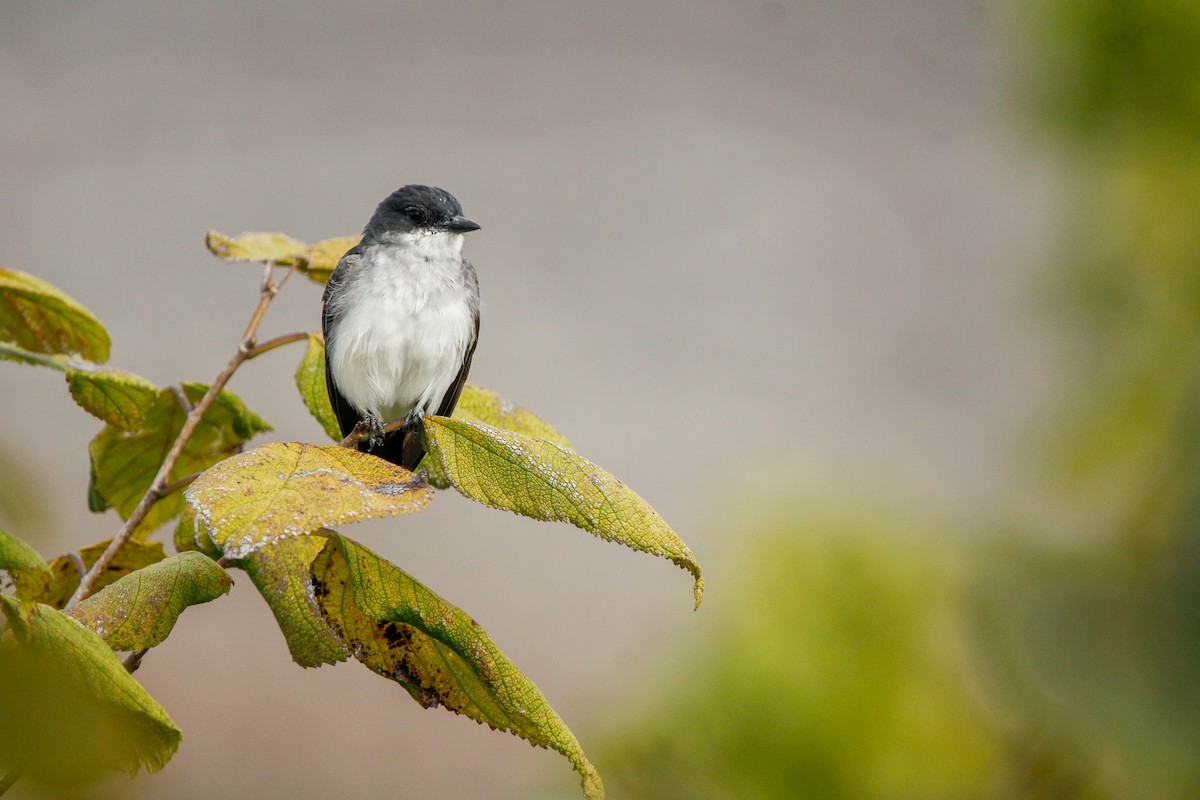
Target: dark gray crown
{"points": [[414, 206]]}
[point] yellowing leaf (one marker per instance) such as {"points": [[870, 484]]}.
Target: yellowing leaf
{"points": [[139, 610], [187, 537], [324, 256], [477, 404], [403, 631], [485, 407], [71, 711], [41, 318], [317, 261], [134, 555], [118, 398], [310, 380], [124, 463], [546, 481], [280, 571], [30, 574], [281, 490], [254, 247]]}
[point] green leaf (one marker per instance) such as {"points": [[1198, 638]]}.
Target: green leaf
{"points": [[139, 610], [118, 398], [124, 463], [403, 631], [281, 490], [133, 556], [30, 574], [310, 380], [38, 317], [280, 571], [477, 404], [317, 261], [546, 481], [71, 711]]}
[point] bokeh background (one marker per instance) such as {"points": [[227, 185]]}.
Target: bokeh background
{"points": [[891, 309]]}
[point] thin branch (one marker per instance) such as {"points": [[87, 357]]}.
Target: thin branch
{"points": [[162, 479], [278, 341]]}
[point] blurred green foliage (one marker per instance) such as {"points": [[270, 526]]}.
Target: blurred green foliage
{"points": [[1059, 657], [832, 667]]}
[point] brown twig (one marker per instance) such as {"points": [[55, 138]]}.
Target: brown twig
{"points": [[161, 480], [278, 341]]}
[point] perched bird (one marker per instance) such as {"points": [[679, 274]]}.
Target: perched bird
{"points": [[401, 318]]}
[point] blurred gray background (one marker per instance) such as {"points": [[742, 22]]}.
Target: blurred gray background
{"points": [[720, 241]]}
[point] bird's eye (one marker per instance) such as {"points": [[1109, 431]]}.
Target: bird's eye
{"points": [[414, 215]]}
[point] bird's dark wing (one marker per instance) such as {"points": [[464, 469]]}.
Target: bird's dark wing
{"points": [[346, 415], [451, 398], [413, 451]]}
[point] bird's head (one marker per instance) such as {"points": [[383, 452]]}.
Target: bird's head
{"points": [[416, 209]]}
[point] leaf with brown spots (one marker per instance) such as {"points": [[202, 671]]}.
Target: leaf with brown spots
{"points": [[280, 571], [403, 631], [139, 610], [547, 481], [282, 490]]}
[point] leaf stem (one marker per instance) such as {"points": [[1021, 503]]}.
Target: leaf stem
{"points": [[20, 354], [162, 481], [181, 396], [134, 660], [182, 483]]}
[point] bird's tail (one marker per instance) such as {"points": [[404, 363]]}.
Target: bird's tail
{"points": [[402, 447]]}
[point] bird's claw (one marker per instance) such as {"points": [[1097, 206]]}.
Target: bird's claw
{"points": [[413, 420], [375, 431]]}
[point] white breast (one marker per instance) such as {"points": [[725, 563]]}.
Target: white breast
{"points": [[405, 321]]}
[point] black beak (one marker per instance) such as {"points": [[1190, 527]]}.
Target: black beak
{"points": [[460, 224]]}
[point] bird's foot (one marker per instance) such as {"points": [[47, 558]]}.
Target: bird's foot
{"points": [[412, 421], [375, 431]]}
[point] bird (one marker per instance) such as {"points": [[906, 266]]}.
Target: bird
{"points": [[400, 315]]}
